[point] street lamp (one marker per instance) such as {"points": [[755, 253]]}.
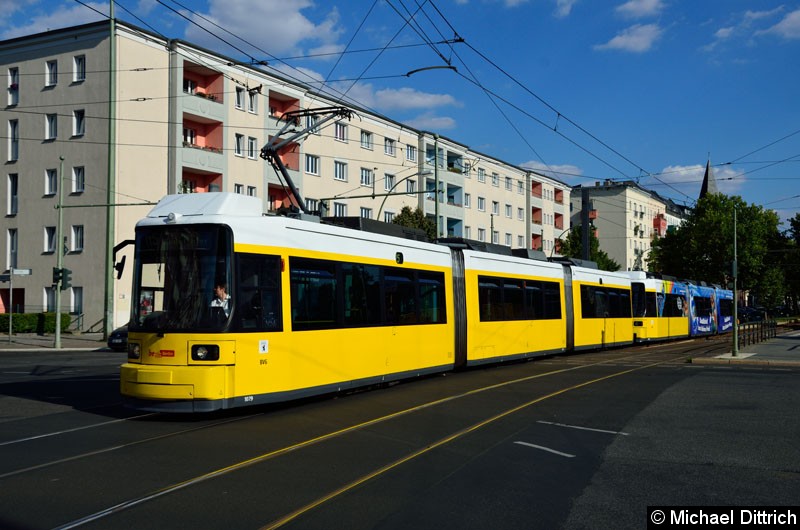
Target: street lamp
{"points": [[424, 173], [558, 239]]}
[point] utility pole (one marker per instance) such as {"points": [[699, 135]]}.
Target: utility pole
{"points": [[735, 294], [59, 251], [585, 240], [436, 180], [111, 179]]}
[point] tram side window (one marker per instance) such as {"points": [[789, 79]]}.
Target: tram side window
{"points": [[432, 298], [639, 300], [651, 305], [673, 305], [400, 298], [502, 299], [605, 302], [313, 286], [702, 306], [726, 307], [362, 302], [258, 299]]}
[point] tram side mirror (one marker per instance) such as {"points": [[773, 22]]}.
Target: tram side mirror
{"points": [[119, 267]]}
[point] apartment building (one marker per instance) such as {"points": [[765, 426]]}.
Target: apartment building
{"points": [[628, 218], [163, 116]]}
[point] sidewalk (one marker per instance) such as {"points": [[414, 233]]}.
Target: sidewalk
{"points": [[33, 341], [782, 350]]}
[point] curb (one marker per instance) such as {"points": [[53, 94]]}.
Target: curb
{"points": [[745, 362]]}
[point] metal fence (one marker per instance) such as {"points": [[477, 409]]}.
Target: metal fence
{"points": [[754, 332]]}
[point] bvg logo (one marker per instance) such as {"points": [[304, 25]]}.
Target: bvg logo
{"points": [[162, 353]]}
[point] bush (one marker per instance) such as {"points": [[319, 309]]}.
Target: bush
{"points": [[34, 322]]}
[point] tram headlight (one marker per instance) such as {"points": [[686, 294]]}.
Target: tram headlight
{"points": [[205, 352], [134, 350]]}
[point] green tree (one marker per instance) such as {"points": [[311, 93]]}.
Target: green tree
{"points": [[572, 247], [702, 247], [416, 219]]}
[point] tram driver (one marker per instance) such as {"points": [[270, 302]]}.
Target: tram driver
{"points": [[220, 303]]}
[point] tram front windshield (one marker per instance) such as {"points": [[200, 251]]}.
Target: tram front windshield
{"points": [[176, 271]]}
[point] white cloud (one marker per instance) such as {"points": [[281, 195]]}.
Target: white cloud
{"points": [[409, 98], [277, 27], [430, 122], [689, 179], [788, 28], [564, 172], [564, 8], [62, 17], [640, 8], [636, 39]]}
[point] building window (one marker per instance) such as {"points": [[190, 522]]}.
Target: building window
{"points": [[252, 101], [388, 217], [239, 102], [189, 136], [311, 123], [312, 204], [520, 214], [521, 241], [252, 147], [388, 146], [496, 237], [77, 300], [50, 182], [467, 232], [50, 299], [340, 171], [339, 209], [251, 191], [509, 185], [77, 238], [520, 187], [78, 122], [411, 187], [481, 234], [411, 153], [481, 175], [51, 74], [495, 208], [340, 131], [509, 210], [238, 188], [49, 239], [366, 140], [495, 180], [11, 257], [508, 239], [467, 200], [481, 204], [366, 213], [51, 126], [366, 177], [13, 191], [13, 140], [13, 86], [312, 165], [79, 68], [388, 182], [78, 179], [189, 86], [238, 149]]}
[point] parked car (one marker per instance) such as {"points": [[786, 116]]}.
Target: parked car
{"points": [[118, 340]]}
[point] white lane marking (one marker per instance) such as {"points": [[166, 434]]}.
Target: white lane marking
{"points": [[582, 428], [559, 453]]}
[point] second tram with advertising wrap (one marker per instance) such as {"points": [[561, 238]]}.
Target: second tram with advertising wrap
{"points": [[233, 307]]}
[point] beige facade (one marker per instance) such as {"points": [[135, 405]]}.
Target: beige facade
{"points": [[628, 219], [186, 120]]}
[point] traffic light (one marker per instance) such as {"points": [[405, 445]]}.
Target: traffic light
{"points": [[56, 275], [66, 279]]}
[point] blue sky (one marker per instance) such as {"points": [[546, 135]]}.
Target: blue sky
{"points": [[588, 89]]}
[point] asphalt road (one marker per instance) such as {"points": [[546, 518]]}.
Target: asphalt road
{"points": [[582, 441]]}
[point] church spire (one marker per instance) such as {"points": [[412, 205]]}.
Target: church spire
{"points": [[709, 183]]}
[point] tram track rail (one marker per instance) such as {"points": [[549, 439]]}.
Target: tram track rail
{"points": [[646, 358]]}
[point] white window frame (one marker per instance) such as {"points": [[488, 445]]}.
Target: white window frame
{"points": [[481, 204], [252, 191], [50, 181], [495, 208], [78, 179], [51, 73], [13, 140], [13, 194], [238, 188], [49, 240], [252, 101], [79, 69], [366, 176], [340, 171], [467, 200], [411, 153], [388, 217], [78, 122], [50, 126], [481, 175], [340, 131], [509, 211], [239, 100], [481, 234], [389, 146], [13, 86], [366, 140], [189, 86], [78, 235], [252, 147], [388, 181], [411, 187], [339, 209], [365, 213], [312, 164], [238, 148]]}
